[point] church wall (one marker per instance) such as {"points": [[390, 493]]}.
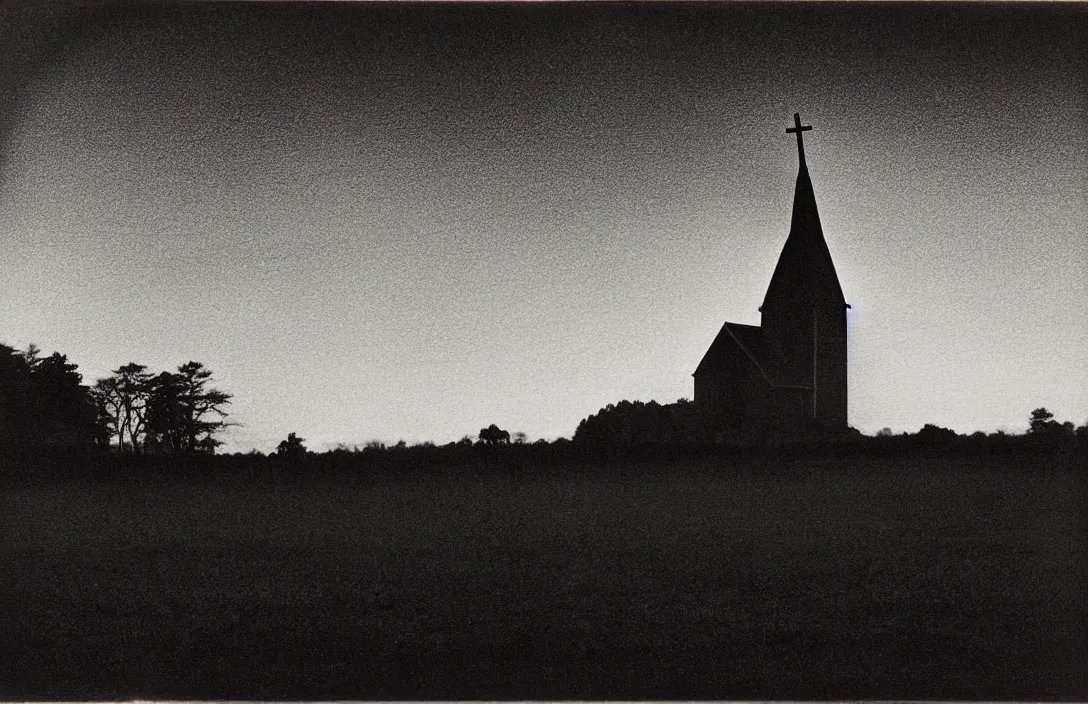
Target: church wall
{"points": [[719, 391], [719, 398], [740, 400], [788, 330], [831, 391], [790, 333], [777, 411]]}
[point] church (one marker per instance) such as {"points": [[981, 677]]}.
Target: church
{"points": [[786, 376]]}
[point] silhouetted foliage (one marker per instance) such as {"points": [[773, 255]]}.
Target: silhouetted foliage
{"points": [[43, 403], [1042, 428], [1041, 421], [125, 397], [171, 412], [932, 434], [1081, 435], [291, 448], [634, 423], [195, 412], [493, 435], [165, 415]]}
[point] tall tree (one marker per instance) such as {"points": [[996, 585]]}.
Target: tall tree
{"points": [[15, 397], [170, 412], [125, 396], [31, 355], [62, 405], [202, 414], [43, 403], [1041, 421], [165, 431], [110, 408]]}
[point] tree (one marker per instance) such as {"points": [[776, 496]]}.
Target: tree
{"points": [[935, 434], [291, 448], [14, 392], [520, 438], [64, 412], [493, 435], [202, 408], [104, 421], [125, 397], [1043, 428], [110, 407], [14, 397], [183, 415], [1041, 421], [166, 414], [32, 355], [43, 402]]}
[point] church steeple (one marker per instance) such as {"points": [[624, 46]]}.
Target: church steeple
{"points": [[805, 272], [804, 312]]}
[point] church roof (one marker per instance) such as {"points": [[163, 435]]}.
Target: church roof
{"points": [[750, 341], [749, 338], [805, 268]]}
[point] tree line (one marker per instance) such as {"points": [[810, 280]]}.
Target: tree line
{"points": [[44, 405]]}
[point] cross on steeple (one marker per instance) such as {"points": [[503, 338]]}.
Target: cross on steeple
{"points": [[799, 128]]}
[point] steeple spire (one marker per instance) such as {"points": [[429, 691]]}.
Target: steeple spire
{"points": [[799, 129], [805, 271]]}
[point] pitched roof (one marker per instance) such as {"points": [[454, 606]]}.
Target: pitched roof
{"points": [[749, 339], [805, 264]]}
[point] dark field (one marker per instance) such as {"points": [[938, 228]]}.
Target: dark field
{"points": [[953, 578]]}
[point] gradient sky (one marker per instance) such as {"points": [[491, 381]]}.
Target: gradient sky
{"points": [[390, 222]]}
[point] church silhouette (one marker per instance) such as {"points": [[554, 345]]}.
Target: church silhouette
{"points": [[788, 375]]}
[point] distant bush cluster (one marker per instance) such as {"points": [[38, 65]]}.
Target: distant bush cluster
{"points": [[1043, 431], [636, 430], [636, 424]]}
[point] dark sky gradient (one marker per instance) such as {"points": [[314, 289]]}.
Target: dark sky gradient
{"points": [[410, 221]]}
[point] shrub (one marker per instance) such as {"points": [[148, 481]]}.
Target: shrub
{"points": [[291, 448]]}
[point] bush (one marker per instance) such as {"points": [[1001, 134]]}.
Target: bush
{"points": [[292, 448], [493, 435], [933, 434]]}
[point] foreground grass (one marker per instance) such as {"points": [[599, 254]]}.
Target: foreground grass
{"points": [[848, 578]]}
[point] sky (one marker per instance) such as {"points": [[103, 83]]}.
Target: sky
{"points": [[385, 221]]}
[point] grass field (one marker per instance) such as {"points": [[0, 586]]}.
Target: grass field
{"points": [[852, 578]]}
